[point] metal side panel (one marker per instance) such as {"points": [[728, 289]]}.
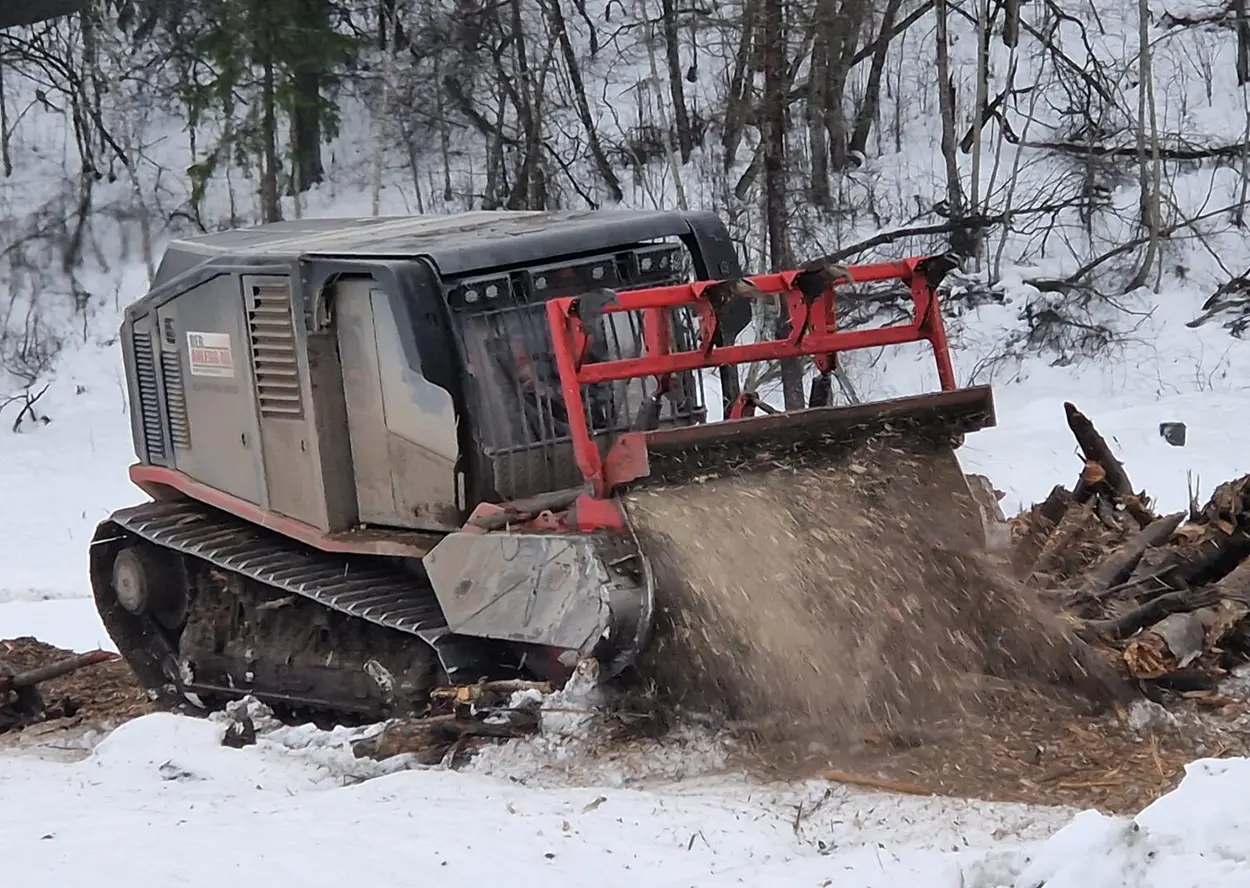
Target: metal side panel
{"points": [[291, 477], [362, 389], [331, 445], [201, 343], [381, 595], [421, 431], [535, 588]]}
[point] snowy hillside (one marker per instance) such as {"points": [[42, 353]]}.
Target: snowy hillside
{"points": [[101, 166]]}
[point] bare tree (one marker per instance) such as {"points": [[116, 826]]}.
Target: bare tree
{"points": [[1147, 140], [772, 33]]}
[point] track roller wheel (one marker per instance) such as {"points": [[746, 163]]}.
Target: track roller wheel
{"points": [[146, 584]]}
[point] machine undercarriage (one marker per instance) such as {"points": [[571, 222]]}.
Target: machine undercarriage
{"points": [[228, 609], [286, 648]]}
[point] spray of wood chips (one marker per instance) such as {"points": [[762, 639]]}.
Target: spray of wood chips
{"points": [[840, 598]]}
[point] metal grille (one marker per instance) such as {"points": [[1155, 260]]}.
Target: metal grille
{"points": [[149, 394], [514, 385], [175, 399], [274, 363]]}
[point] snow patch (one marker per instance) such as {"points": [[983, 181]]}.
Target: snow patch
{"points": [[1198, 834], [282, 809]]}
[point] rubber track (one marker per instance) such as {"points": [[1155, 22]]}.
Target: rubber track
{"points": [[385, 597]]}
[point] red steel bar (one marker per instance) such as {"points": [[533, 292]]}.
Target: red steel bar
{"points": [[813, 323]]}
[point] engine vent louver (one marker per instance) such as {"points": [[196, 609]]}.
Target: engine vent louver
{"points": [[175, 400], [149, 395], [272, 331]]}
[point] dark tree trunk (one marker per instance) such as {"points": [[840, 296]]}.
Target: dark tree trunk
{"points": [[672, 56], [306, 108]]}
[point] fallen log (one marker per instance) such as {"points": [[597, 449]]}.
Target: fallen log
{"points": [[429, 739], [18, 706], [1213, 555], [1228, 505], [1188, 681], [1104, 508], [1118, 566], [1055, 504], [1166, 604], [1234, 585], [1034, 527], [488, 689], [1184, 566], [1153, 611], [868, 781], [1092, 475], [1171, 644], [1154, 562], [1094, 447], [33, 677], [21, 704], [520, 511]]}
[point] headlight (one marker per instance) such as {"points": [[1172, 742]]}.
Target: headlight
{"points": [[477, 290], [657, 263]]}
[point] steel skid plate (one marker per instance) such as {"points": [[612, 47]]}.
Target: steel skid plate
{"points": [[558, 590]]}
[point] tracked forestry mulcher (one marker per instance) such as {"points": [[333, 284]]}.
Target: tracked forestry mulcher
{"points": [[386, 454]]}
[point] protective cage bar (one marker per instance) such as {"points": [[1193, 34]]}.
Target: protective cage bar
{"points": [[810, 296]]}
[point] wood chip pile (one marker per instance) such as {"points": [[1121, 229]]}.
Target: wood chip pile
{"points": [[40, 683]]}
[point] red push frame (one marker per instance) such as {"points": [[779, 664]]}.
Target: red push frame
{"points": [[813, 322]]}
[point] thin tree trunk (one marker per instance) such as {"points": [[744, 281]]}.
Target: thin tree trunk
{"points": [[583, 106], [666, 135], [773, 34], [818, 99], [1243, 80], [527, 190], [1011, 23], [739, 85], [672, 57], [841, 26], [978, 120], [774, 114], [6, 157], [1147, 140], [444, 130], [307, 167], [390, 11], [1243, 42], [872, 89], [946, 108], [270, 207]]}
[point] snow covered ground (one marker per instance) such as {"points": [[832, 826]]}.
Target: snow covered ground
{"points": [[160, 793], [273, 815], [161, 800]]}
